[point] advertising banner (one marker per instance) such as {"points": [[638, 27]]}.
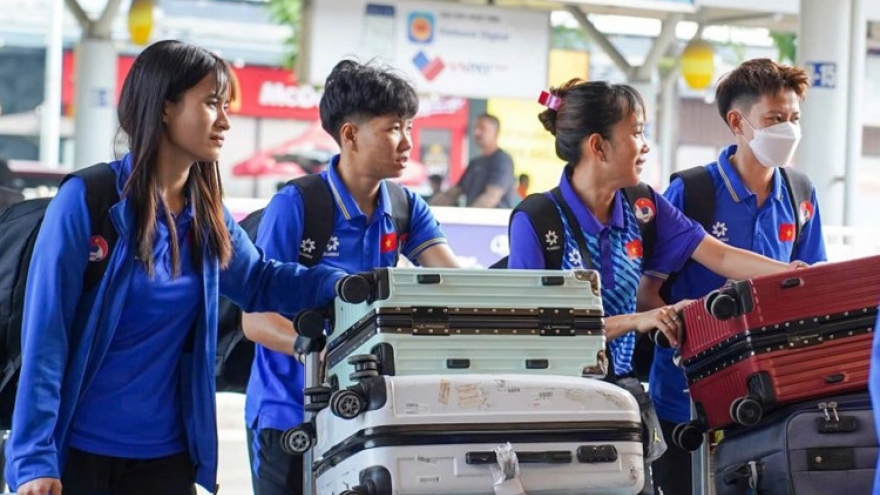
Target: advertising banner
{"points": [[445, 48]]}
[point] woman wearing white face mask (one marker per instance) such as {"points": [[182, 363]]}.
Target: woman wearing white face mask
{"points": [[760, 104]]}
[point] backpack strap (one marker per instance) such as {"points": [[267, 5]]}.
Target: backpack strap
{"points": [[541, 211], [699, 195], [401, 211], [648, 229], [101, 195], [800, 191], [317, 201], [573, 223]]}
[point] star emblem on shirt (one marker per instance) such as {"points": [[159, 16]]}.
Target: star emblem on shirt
{"points": [[574, 258], [551, 238], [307, 245], [719, 230], [333, 244]]}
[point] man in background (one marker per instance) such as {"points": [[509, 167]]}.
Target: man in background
{"points": [[489, 181]]}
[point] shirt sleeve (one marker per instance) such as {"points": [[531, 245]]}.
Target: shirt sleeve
{"points": [[59, 260], [525, 248], [282, 225], [811, 244], [257, 283], [424, 229], [677, 238], [501, 171]]}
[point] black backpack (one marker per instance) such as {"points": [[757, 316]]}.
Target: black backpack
{"points": [[541, 211], [19, 226], [235, 353], [699, 195]]}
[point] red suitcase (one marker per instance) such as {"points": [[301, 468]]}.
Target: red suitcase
{"points": [[757, 344]]}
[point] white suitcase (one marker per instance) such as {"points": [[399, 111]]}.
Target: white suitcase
{"points": [[452, 321], [436, 434]]}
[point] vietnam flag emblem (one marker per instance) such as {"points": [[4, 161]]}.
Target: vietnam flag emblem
{"points": [[634, 249], [786, 232], [388, 242]]}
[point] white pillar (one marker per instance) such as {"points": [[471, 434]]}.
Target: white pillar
{"points": [[50, 112], [668, 131], [823, 49], [95, 111], [648, 89], [858, 49]]}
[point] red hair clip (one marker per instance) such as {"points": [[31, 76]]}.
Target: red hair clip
{"points": [[550, 101]]}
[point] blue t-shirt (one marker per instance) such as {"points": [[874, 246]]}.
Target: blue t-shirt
{"points": [[133, 407], [738, 221], [615, 251], [874, 388], [275, 391]]}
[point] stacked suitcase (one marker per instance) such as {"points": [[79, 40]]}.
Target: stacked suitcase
{"points": [[781, 363], [465, 381]]}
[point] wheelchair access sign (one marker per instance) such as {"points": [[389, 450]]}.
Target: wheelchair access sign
{"points": [[823, 74]]}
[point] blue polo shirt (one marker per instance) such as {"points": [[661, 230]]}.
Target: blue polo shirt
{"points": [[133, 407], [741, 223], [275, 391], [874, 389], [615, 251]]}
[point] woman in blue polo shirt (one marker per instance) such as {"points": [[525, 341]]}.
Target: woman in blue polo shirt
{"points": [[599, 130], [116, 393]]}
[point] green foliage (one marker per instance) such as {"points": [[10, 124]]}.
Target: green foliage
{"points": [[786, 43], [287, 13]]}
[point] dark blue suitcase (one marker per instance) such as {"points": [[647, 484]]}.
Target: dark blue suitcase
{"points": [[820, 447]]}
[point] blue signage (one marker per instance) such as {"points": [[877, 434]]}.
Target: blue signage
{"points": [[823, 74]]}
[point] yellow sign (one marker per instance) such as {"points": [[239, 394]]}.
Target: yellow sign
{"points": [[698, 64], [140, 21], [532, 147]]}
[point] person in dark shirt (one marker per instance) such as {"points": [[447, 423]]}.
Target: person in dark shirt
{"points": [[489, 181]]}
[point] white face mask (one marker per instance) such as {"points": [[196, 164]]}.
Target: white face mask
{"points": [[774, 146]]}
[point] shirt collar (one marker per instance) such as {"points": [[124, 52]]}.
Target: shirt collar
{"points": [[345, 202], [585, 217], [734, 184]]}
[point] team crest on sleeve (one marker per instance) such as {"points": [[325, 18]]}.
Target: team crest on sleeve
{"points": [[98, 249], [805, 211], [645, 210]]}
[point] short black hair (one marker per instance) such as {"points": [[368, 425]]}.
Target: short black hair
{"points": [[362, 91], [746, 84], [491, 118]]}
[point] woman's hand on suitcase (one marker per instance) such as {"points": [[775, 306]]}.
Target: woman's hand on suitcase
{"points": [[664, 319], [41, 486], [798, 264]]}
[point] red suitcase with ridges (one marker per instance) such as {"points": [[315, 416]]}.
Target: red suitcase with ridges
{"points": [[754, 345]]}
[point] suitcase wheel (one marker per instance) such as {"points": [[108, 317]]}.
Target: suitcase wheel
{"points": [[746, 411], [362, 375], [355, 490], [297, 440], [363, 358], [347, 404], [317, 398], [722, 306], [687, 436]]}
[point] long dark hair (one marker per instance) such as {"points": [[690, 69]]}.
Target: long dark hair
{"points": [[163, 72]]}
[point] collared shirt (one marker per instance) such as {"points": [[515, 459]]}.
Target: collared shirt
{"points": [[358, 243], [739, 222], [615, 251], [157, 318]]}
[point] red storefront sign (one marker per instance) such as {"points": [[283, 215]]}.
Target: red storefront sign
{"points": [[273, 92]]}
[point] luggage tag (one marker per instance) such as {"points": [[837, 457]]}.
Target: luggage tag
{"points": [[506, 472]]}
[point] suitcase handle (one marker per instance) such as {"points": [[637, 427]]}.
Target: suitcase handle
{"points": [[791, 283], [428, 278], [546, 457]]}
